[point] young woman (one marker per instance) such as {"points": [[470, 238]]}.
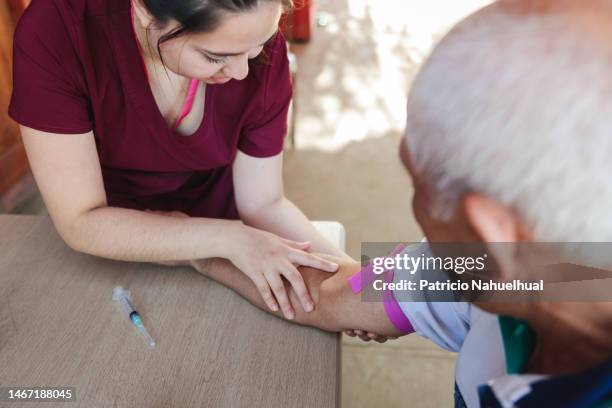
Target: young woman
{"points": [[166, 106]]}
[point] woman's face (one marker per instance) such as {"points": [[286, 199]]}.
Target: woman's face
{"points": [[222, 55]]}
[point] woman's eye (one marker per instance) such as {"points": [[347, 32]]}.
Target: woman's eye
{"points": [[214, 60]]}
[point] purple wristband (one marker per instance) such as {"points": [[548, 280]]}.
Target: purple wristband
{"points": [[394, 311]]}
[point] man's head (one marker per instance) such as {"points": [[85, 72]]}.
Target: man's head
{"points": [[509, 131]]}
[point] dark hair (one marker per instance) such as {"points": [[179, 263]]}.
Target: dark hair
{"points": [[197, 16]]}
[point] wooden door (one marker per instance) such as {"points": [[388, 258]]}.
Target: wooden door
{"points": [[13, 163]]}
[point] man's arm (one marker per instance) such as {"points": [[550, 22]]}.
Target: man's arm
{"points": [[337, 308]]}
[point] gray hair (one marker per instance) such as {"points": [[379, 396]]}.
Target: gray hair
{"points": [[516, 103]]}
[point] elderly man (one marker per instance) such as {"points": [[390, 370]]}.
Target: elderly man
{"points": [[508, 140]]}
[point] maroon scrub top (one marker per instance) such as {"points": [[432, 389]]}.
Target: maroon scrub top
{"points": [[77, 68]]}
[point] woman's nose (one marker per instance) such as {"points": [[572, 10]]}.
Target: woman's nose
{"points": [[238, 68]]}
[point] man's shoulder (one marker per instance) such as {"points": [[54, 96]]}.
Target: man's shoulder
{"points": [[481, 356]]}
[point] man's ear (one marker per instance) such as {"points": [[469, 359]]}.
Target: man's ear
{"points": [[491, 221], [497, 227], [142, 15]]}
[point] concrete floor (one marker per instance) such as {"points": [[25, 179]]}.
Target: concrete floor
{"points": [[351, 94]]}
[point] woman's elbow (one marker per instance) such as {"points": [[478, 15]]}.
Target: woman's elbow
{"points": [[75, 234], [74, 240]]}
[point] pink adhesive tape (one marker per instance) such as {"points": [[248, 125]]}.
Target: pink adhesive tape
{"points": [[366, 275], [394, 312]]}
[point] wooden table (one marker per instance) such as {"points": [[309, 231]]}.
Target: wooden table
{"points": [[59, 327]]}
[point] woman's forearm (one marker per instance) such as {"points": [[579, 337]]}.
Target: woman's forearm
{"points": [[131, 235], [285, 219]]}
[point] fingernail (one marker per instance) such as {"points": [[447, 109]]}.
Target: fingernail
{"points": [[309, 307], [274, 308], [290, 315]]}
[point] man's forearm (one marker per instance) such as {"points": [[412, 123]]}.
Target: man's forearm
{"points": [[228, 275], [131, 235], [337, 308]]}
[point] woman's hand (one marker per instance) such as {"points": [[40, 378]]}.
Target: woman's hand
{"points": [[265, 258]]}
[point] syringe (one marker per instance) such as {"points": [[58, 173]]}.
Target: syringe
{"points": [[123, 297]]}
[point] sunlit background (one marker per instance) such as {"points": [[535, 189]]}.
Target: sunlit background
{"points": [[355, 74]]}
